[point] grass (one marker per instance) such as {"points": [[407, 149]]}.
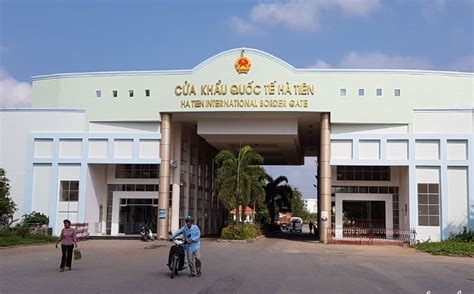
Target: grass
{"points": [[14, 238], [449, 247]]}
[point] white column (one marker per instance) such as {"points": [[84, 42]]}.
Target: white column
{"points": [[164, 193]]}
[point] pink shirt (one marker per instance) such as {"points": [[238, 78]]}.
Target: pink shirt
{"points": [[68, 236]]}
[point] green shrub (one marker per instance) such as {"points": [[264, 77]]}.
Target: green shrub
{"points": [[34, 219], [465, 236], [240, 232], [448, 247], [22, 236]]}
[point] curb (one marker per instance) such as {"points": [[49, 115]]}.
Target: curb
{"points": [[240, 241]]}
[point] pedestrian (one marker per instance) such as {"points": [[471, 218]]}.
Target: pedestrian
{"points": [[192, 238], [68, 240], [310, 227]]}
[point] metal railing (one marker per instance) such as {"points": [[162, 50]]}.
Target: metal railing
{"points": [[371, 233]]}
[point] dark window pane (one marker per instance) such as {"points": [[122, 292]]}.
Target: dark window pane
{"points": [[423, 209], [433, 210], [74, 185], [123, 201], [154, 174], [422, 188], [74, 196], [422, 199], [433, 188], [350, 176], [130, 187], [149, 188], [395, 190], [434, 221], [353, 189], [434, 199], [340, 176], [374, 190], [423, 220], [64, 195], [376, 176], [383, 190], [64, 185], [363, 190], [140, 188], [395, 198]]}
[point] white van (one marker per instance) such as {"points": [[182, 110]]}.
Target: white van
{"points": [[296, 224]]}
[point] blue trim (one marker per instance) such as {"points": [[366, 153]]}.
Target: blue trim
{"points": [[43, 110], [55, 161], [443, 181], [54, 193], [29, 175], [442, 164], [83, 182]]}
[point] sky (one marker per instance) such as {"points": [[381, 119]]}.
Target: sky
{"points": [[44, 36]]}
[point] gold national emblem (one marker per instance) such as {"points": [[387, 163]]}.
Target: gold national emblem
{"points": [[243, 64]]}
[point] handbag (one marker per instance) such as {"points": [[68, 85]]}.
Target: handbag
{"points": [[77, 254]]}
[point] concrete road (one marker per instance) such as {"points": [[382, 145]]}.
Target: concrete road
{"points": [[287, 263]]}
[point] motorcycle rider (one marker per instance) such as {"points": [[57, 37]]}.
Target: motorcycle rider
{"points": [[192, 238]]}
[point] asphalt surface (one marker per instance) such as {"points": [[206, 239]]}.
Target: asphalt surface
{"points": [[286, 263]]}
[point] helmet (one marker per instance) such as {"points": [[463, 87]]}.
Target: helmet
{"points": [[189, 219]]}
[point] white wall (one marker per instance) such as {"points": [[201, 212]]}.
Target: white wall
{"points": [[369, 129], [341, 149], [403, 199], [15, 124], [124, 127], [457, 199], [453, 121], [67, 172], [428, 175], [96, 195], [41, 188]]}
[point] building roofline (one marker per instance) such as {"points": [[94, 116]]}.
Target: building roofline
{"points": [[255, 51], [26, 109]]}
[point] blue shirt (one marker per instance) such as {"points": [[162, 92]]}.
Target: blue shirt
{"points": [[193, 233]]}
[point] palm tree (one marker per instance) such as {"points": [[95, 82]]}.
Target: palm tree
{"points": [[277, 194], [240, 179]]}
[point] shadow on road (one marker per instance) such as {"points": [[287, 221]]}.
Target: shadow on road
{"points": [[302, 237]]}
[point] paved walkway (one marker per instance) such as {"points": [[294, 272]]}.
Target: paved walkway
{"points": [[291, 264]]}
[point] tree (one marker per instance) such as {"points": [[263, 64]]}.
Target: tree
{"points": [[7, 206], [297, 204], [240, 179], [277, 194]]}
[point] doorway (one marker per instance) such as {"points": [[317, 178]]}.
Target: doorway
{"points": [[137, 212], [364, 214]]}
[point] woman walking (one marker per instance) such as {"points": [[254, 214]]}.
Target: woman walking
{"points": [[68, 239]]}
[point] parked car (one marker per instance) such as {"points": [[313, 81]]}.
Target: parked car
{"points": [[296, 224]]}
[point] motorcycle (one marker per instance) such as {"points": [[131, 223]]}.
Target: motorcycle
{"points": [[146, 234], [176, 257]]}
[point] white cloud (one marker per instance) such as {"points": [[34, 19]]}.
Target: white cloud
{"points": [[381, 60], [377, 60], [12, 92], [463, 63], [321, 64], [301, 14], [242, 27]]}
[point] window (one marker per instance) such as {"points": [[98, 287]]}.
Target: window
{"points": [[114, 93], [147, 93], [342, 92], [98, 93], [363, 173], [428, 204], [130, 93], [361, 92], [137, 171], [379, 92], [397, 92], [69, 191]]}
